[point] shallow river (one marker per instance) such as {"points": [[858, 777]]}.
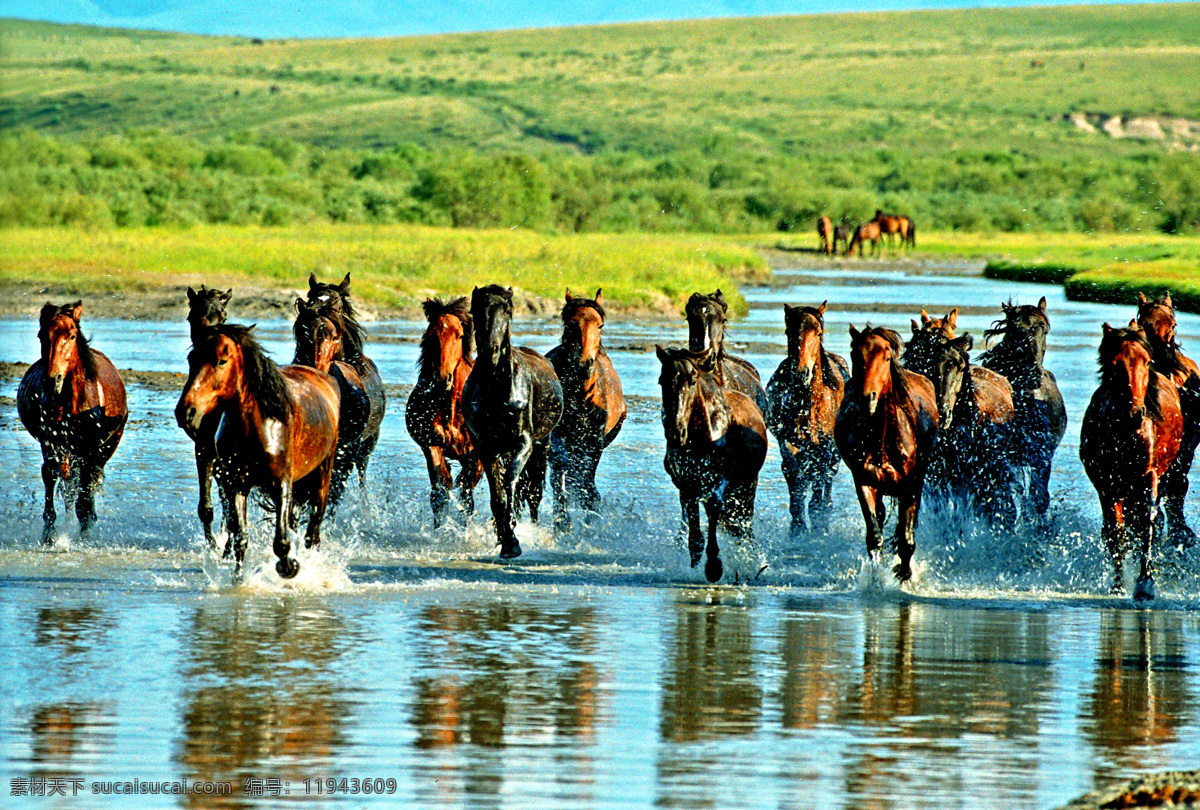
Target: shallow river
{"points": [[597, 669]]}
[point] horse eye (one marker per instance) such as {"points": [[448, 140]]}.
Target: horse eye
{"points": [[222, 362]]}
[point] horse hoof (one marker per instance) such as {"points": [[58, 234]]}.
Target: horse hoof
{"points": [[713, 569], [1183, 536], [287, 568], [1144, 591], [511, 550], [902, 571]]}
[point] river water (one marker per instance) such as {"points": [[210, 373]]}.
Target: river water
{"points": [[597, 669]]}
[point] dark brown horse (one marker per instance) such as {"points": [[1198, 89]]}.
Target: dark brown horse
{"points": [[805, 393], [333, 301], [72, 401], [706, 317], [593, 407], [206, 309], [866, 232], [434, 413], [511, 402], [841, 234], [1130, 435], [277, 431], [1157, 319], [716, 445], [319, 340], [1041, 417], [885, 432], [825, 234]]}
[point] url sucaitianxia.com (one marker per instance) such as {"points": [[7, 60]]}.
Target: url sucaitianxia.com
{"points": [[42, 786]]}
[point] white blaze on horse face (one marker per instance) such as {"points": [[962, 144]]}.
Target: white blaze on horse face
{"points": [[272, 431]]}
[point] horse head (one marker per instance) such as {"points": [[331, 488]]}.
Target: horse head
{"points": [[207, 307], [951, 369], [683, 377], [318, 336], [333, 300], [943, 326], [329, 297], [1157, 318], [706, 316], [1125, 366], [491, 312], [64, 347], [874, 362], [216, 367], [449, 339], [805, 327], [583, 318], [1025, 328]]}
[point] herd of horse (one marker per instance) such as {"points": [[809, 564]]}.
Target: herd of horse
{"points": [[909, 419], [873, 231]]}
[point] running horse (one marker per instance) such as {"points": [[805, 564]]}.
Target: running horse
{"points": [[334, 302], [805, 393], [1131, 433], [825, 234], [511, 403], [1157, 319], [319, 340], [593, 407], [434, 413], [72, 400], [885, 432], [706, 317], [277, 430], [206, 308], [1041, 417], [716, 445]]}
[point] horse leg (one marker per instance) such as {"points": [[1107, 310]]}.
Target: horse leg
{"points": [[468, 479], [50, 472], [560, 464], [1142, 524], [85, 502], [312, 538], [533, 477], [238, 525], [589, 493], [285, 566], [1174, 487], [691, 513], [1113, 532], [906, 524], [509, 477], [794, 477], [365, 448], [439, 482], [204, 468], [871, 503], [820, 506], [1039, 486], [713, 569]]}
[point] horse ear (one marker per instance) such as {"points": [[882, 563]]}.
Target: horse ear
{"points": [[345, 285], [915, 326], [570, 297], [76, 310], [720, 297], [299, 304], [821, 309], [225, 296], [1105, 328], [599, 299], [952, 318], [925, 319], [1133, 324], [1141, 299], [250, 328], [854, 333], [661, 352], [191, 295], [312, 281], [1042, 303], [1166, 299]]}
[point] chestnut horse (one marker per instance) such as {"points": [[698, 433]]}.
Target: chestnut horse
{"points": [[593, 407], [1041, 417], [320, 339], [944, 326], [892, 224], [434, 413], [706, 317], [885, 432], [805, 393], [1157, 319], [825, 234], [868, 231], [511, 402], [206, 308], [716, 445], [72, 400], [1130, 435], [277, 430]]}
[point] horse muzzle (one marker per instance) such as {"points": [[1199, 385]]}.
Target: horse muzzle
{"points": [[188, 418], [58, 383], [872, 402], [806, 375]]}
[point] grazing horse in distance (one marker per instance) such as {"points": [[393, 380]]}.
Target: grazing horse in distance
{"points": [[825, 234], [72, 400], [889, 225], [278, 431], [1131, 432], [434, 413], [908, 232], [706, 317], [868, 231], [319, 339], [1041, 417], [206, 309], [716, 445], [593, 407], [512, 401], [885, 432], [1157, 319], [841, 234], [805, 393]]}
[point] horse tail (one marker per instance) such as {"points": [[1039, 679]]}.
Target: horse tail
{"points": [[912, 234]]}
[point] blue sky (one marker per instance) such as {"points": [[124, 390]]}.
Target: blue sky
{"points": [[322, 18]]}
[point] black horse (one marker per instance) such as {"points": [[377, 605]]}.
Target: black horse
{"points": [[706, 317], [511, 403], [1041, 418], [206, 309]]}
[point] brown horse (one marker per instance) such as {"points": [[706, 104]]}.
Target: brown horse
{"points": [[868, 231], [706, 317], [593, 407], [1130, 435], [805, 393], [1157, 319], [72, 401], [434, 413], [841, 234], [892, 224], [825, 234], [319, 340], [277, 430], [716, 445], [206, 309], [1041, 417], [943, 326], [885, 432]]}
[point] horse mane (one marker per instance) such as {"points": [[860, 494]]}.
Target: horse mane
{"points": [[354, 336], [575, 304], [1011, 312], [705, 361], [830, 375], [87, 359], [1164, 354], [1110, 344], [435, 308], [262, 376]]}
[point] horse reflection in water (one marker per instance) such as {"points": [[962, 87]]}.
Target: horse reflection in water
{"points": [[716, 445], [72, 401], [511, 402], [1131, 433], [206, 309], [277, 429], [593, 408]]}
